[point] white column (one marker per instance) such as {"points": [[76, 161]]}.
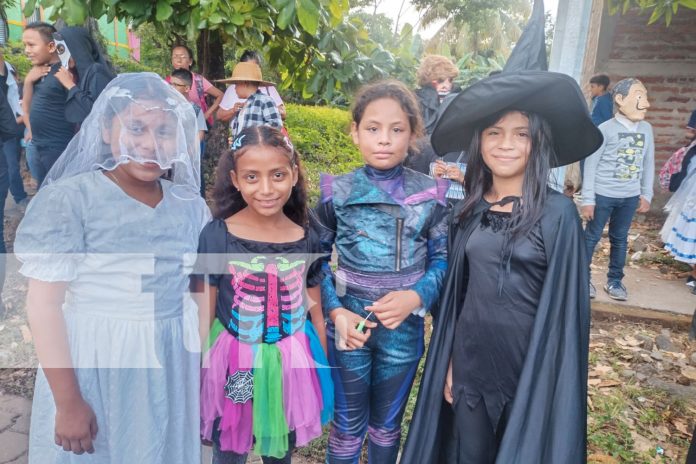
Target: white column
{"points": [[570, 37]]}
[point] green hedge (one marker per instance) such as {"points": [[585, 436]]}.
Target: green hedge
{"points": [[322, 137], [14, 54]]}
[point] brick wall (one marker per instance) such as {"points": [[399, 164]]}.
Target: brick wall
{"points": [[664, 58]]}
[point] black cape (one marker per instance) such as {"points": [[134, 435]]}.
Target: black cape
{"points": [[548, 421]]}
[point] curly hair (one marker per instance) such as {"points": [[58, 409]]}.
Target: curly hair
{"points": [[435, 68]]}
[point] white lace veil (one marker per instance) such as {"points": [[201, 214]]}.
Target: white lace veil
{"points": [[138, 117]]}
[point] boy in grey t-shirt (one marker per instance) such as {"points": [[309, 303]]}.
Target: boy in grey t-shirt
{"points": [[618, 179]]}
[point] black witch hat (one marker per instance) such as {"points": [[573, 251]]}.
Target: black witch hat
{"points": [[524, 85]]}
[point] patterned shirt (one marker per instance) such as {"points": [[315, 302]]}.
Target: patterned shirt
{"points": [[259, 110]]}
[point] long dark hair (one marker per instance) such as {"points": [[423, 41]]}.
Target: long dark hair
{"points": [[479, 180], [228, 200]]}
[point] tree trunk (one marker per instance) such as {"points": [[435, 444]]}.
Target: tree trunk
{"points": [[211, 61]]}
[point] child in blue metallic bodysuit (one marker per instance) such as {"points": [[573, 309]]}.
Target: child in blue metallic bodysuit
{"points": [[388, 224]]}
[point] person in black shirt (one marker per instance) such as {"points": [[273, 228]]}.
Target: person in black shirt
{"points": [[45, 99], [508, 353], [86, 76]]}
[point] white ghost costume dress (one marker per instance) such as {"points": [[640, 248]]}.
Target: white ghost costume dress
{"points": [[132, 327]]}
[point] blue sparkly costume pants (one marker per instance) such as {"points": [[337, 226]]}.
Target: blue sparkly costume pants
{"points": [[372, 386]]}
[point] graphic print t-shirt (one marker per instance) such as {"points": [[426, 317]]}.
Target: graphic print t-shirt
{"points": [[261, 286]]}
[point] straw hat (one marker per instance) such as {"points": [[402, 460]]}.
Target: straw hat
{"points": [[246, 71]]}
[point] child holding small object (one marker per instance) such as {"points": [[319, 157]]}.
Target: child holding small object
{"points": [[388, 224]]}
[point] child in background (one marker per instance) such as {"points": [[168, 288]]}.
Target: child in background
{"points": [[602, 104], [618, 180], [86, 75], [261, 382], [435, 77], [44, 102], [679, 230], [388, 224], [257, 108], [181, 80], [103, 244]]}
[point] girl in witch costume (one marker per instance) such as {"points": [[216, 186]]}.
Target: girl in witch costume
{"points": [[506, 374], [260, 377]]}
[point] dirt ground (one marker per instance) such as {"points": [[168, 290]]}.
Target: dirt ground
{"points": [[642, 381]]}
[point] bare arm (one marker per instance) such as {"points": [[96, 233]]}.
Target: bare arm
{"points": [[227, 115], [26, 105], [315, 311], [76, 425], [217, 94]]}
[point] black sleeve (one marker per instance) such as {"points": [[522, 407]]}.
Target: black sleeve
{"points": [[81, 98], [317, 256], [211, 249]]}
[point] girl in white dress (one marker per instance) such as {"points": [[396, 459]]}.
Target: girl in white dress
{"points": [[104, 245]]}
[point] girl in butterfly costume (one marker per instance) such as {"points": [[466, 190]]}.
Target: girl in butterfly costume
{"points": [[261, 382]]}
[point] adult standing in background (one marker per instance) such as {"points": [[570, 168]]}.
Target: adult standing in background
{"points": [[182, 58], [8, 131], [11, 147], [231, 103]]}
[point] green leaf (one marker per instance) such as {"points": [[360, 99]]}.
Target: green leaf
{"points": [[656, 14], [286, 16], [308, 15], [237, 19], [215, 18], [74, 12], [29, 8], [688, 4], [164, 10], [336, 58]]}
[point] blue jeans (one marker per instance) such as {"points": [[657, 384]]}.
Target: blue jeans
{"points": [[11, 149], [372, 385], [43, 159], [203, 145], [4, 185], [619, 212], [32, 160]]}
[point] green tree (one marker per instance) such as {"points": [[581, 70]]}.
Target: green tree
{"points": [[479, 26], [215, 23], [660, 9]]}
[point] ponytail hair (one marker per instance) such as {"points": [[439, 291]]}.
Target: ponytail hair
{"points": [[228, 200]]}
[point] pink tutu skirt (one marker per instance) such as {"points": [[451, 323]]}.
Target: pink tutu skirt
{"points": [[259, 393]]}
